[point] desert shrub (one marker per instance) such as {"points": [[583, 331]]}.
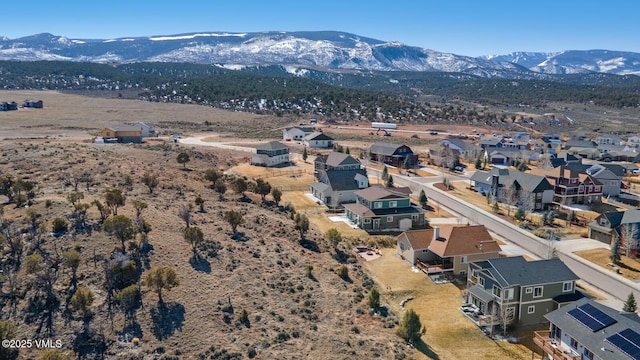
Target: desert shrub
{"points": [[343, 272], [59, 225]]}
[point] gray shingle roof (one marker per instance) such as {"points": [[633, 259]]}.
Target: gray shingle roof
{"points": [[384, 148], [516, 270], [335, 159], [317, 136], [273, 145], [341, 180], [529, 182]]}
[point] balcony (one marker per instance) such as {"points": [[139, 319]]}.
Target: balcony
{"points": [[552, 347]]}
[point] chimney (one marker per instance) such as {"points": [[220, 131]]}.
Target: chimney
{"points": [[436, 232]]}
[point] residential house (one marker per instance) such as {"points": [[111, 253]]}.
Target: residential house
{"points": [[296, 133], [318, 140], [487, 142], [444, 156], [580, 144], [507, 156], [512, 290], [36, 104], [521, 137], [146, 129], [545, 145], [624, 225], [535, 190], [447, 248], [611, 183], [334, 161], [634, 141], [392, 154], [572, 186], [609, 139], [384, 209], [7, 106], [124, 133], [273, 153], [588, 330], [464, 148], [337, 187], [605, 148], [628, 156]]}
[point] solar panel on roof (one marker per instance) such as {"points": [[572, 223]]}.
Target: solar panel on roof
{"points": [[627, 341], [591, 317]]}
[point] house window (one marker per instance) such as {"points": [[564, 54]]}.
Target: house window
{"points": [[567, 286], [531, 309], [377, 205], [587, 354], [415, 217], [497, 291], [463, 273], [508, 294], [425, 250], [537, 291], [481, 281], [573, 343], [463, 259], [401, 244], [367, 221], [528, 290], [393, 204], [389, 219]]}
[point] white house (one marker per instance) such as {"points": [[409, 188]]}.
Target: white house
{"points": [[271, 154], [318, 140], [296, 133], [146, 129]]}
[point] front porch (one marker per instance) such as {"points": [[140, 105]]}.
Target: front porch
{"points": [[552, 347]]}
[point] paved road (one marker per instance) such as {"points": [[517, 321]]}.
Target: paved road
{"points": [[607, 281]]}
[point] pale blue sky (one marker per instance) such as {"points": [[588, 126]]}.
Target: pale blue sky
{"points": [[465, 27]]}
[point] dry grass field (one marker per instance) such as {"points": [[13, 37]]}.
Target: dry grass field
{"points": [[629, 267], [261, 272], [450, 335]]}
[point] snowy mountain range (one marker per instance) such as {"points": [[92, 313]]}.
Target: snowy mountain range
{"points": [[319, 49]]}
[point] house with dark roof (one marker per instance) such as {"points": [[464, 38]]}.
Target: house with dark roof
{"points": [[498, 182], [624, 225], [572, 185], [512, 290], [337, 187], [296, 133], [464, 148], [7, 106], [379, 209], [36, 104], [447, 249], [507, 156], [124, 133], [609, 139], [273, 153], [392, 154], [488, 142], [334, 161], [611, 182], [590, 330], [570, 144], [318, 140]]}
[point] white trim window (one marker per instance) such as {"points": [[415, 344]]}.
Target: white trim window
{"points": [[531, 309], [481, 281], [567, 286], [393, 204], [528, 290], [377, 204], [463, 259], [389, 219], [537, 291], [508, 294], [367, 220]]}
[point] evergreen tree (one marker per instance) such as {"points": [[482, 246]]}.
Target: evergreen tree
{"points": [[374, 298], [615, 250], [422, 198], [305, 154], [630, 305], [385, 173], [407, 163], [410, 328], [389, 182], [478, 164]]}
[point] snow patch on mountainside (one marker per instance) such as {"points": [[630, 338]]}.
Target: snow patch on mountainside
{"points": [[193, 36]]}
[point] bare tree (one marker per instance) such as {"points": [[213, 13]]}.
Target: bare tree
{"points": [[510, 196], [527, 202], [185, 214], [628, 235]]}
